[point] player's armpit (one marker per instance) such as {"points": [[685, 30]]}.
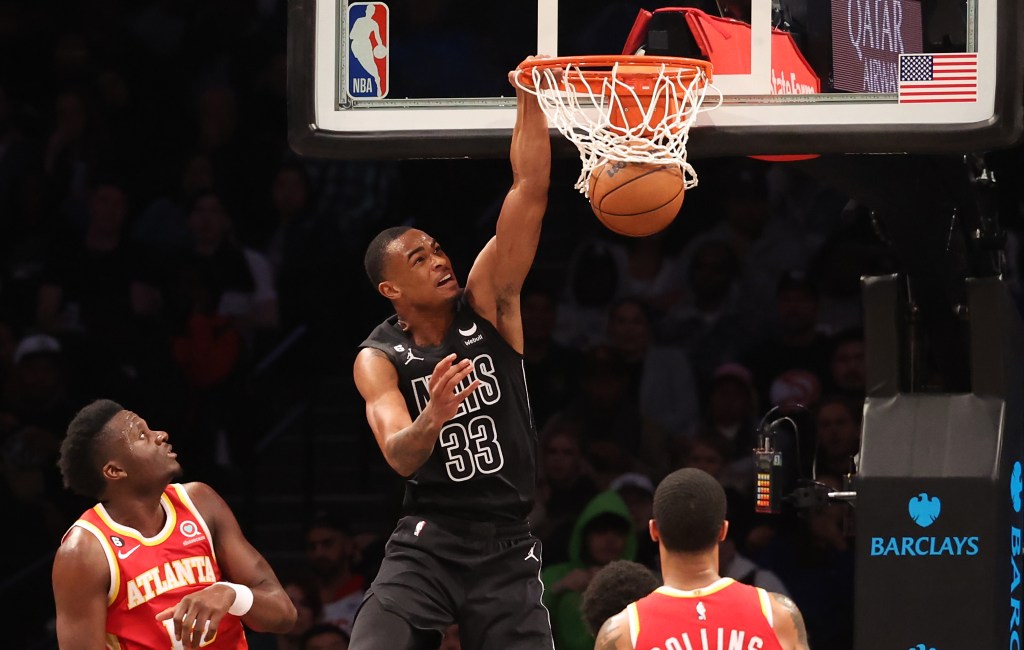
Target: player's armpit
{"points": [[789, 623], [614, 634]]}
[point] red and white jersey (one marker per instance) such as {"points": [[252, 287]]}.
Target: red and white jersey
{"points": [[150, 574], [725, 615]]}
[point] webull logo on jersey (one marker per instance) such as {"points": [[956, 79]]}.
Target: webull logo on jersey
{"points": [[486, 394], [368, 50], [924, 510]]}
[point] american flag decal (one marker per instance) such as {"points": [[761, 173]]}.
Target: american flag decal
{"points": [[938, 78]]}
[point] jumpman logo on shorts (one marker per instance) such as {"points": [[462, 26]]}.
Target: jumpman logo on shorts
{"points": [[530, 554]]}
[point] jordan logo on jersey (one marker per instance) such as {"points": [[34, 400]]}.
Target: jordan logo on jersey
{"points": [[411, 356]]}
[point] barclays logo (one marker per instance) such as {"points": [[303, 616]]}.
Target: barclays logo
{"points": [[1016, 555], [924, 511], [920, 646], [1016, 486]]}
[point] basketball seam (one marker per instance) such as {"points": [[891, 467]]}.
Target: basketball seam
{"points": [[682, 189]]}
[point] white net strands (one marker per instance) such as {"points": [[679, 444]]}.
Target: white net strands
{"points": [[605, 116]]}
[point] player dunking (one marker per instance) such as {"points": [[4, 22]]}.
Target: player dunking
{"points": [[446, 400], [697, 608], [144, 567]]}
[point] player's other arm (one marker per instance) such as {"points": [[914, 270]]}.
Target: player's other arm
{"points": [[407, 443], [789, 623], [500, 270], [614, 634], [81, 579], [271, 609]]}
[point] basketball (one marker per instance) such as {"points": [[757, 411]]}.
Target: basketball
{"points": [[380, 52], [636, 199]]}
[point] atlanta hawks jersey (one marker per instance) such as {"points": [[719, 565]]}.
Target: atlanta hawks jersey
{"points": [[483, 466], [725, 615], [150, 574]]}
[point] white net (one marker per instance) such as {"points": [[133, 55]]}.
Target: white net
{"points": [[608, 120]]}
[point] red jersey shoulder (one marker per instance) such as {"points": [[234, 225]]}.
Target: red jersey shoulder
{"points": [[725, 614]]}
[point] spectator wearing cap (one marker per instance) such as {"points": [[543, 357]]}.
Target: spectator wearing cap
{"points": [[637, 491], [39, 393], [330, 551], [730, 415], [796, 344]]}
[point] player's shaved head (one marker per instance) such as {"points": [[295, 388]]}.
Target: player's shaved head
{"points": [[375, 260], [689, 509]]}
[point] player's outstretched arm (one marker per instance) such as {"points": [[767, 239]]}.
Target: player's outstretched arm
{"points": [[81, 580], [789, 623], [270, 608], [614, 634], [407, 443], [501, 268]]}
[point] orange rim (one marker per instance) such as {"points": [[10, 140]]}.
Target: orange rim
{"points": [[596, 68]]}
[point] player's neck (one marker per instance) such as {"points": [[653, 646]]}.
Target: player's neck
{"points": [[144, 514], [426, 327], [689, 571]]}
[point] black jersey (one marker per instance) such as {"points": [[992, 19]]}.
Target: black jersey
{"points": [[484, 464]]}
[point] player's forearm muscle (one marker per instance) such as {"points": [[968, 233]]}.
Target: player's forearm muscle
{"points": [[409, 447]]}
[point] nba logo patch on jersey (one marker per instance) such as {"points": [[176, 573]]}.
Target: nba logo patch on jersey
{"points": [[368, 50]]}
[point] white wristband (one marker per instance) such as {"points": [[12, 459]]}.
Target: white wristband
{"points": [[243, 599]]}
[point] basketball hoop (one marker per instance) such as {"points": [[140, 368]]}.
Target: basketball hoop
{"points": [[630, 108]]}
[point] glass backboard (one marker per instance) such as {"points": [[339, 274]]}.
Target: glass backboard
{"points": [[428, 78]]}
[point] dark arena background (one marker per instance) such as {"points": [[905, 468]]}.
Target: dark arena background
{"points": [[868, 305]]}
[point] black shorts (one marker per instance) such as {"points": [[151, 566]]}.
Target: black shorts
{"points": [[485, 577]]}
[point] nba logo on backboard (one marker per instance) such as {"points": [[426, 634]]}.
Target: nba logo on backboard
{"points": [[368, 45]]}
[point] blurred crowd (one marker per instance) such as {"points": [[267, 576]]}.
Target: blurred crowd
{"points": [[159, 242]]}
